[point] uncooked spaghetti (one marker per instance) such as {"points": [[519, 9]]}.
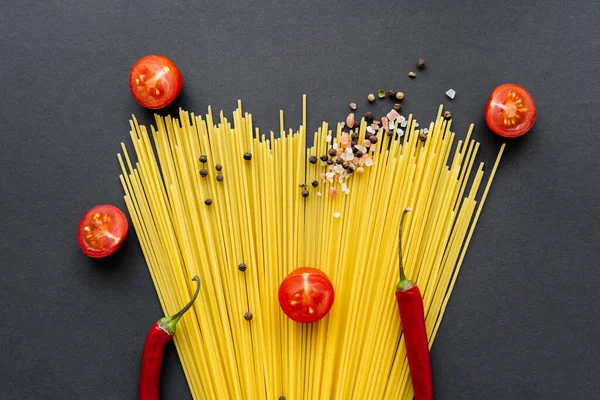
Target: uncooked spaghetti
{"points": [[257, 216]]}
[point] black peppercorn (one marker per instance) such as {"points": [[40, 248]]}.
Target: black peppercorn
{"points": [[247, 156], [354, 142], [359, 154], [329, 162], [351, 168], [208, 201], [203, 173], [391, 94], [346, 165], [447, 115], [369, 116], [281, 397], [305, 193], [354, 136], [339, 160], [218, 167], [248, 316], [324, 158], [397, 106], [422, 136], [220, 177], [332, 152], [242, 267], [203, 159], [421, 63], [373, 139], [313, 159], [315, 183], [354, 150]]}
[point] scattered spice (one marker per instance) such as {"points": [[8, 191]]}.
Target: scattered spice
{"points": [[242, 267], [247, 156], [339, 160], [371, 98], [324, 158], [281, 397], [203, 173], [447, 115], [373, 139], [332, 152], [421, 63], [346, 165], [351, 168], [451, 93], [336, 214], [315, 183], [391, 93], [203, 159], [381, 93], [369, 116], [359, 154], [305, 193], [360, 170], [353, 106], [330, 162], [354, 136], [397, 107], [248, 316], [399, 96], [208, 201], [412, 74], [392, 116], [422, 136], [218, 167], [350, 120], [302, 185], [220, 177], [313, 159]]}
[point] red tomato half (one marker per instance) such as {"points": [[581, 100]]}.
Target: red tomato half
{"points": [[102, 230], [510, 110], [306, 295], [155, 81]]}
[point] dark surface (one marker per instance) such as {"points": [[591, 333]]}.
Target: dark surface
{"points": [[523, 320]]}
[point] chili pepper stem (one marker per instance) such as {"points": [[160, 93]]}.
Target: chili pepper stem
{"points": [[404, 283], [168, 324]]}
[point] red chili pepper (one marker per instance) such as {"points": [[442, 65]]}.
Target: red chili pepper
{"points": [[161, 333], [412, 315]]}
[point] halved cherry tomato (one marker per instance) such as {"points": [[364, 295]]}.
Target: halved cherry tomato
{"points": [[155, 81], [306, 295], [510, 110], [102, 230]]}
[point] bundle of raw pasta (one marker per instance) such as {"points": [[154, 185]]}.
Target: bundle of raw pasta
{"points": [[208, 196]]}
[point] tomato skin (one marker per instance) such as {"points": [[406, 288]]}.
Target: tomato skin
{"points": [[155, 81], [306, 295], [510, 111], [102, 230]]}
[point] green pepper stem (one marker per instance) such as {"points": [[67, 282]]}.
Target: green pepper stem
{"points": [[169, 323], [404, 282]]}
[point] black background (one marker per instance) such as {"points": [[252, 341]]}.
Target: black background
{"points": [[523, 320]]}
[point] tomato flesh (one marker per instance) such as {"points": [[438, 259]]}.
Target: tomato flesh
{"points": [[306, 295], [510, 110], [155, 81], [102, 230]]}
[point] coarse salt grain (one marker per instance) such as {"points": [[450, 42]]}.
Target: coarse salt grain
{"points": [[391, 127], [336, 214], [369, 162], [393, 115], [451, 93], [319, 194], [399, 132], [328, 139], [403, 124], [338, 169], [426, 131], [370, 130]]}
